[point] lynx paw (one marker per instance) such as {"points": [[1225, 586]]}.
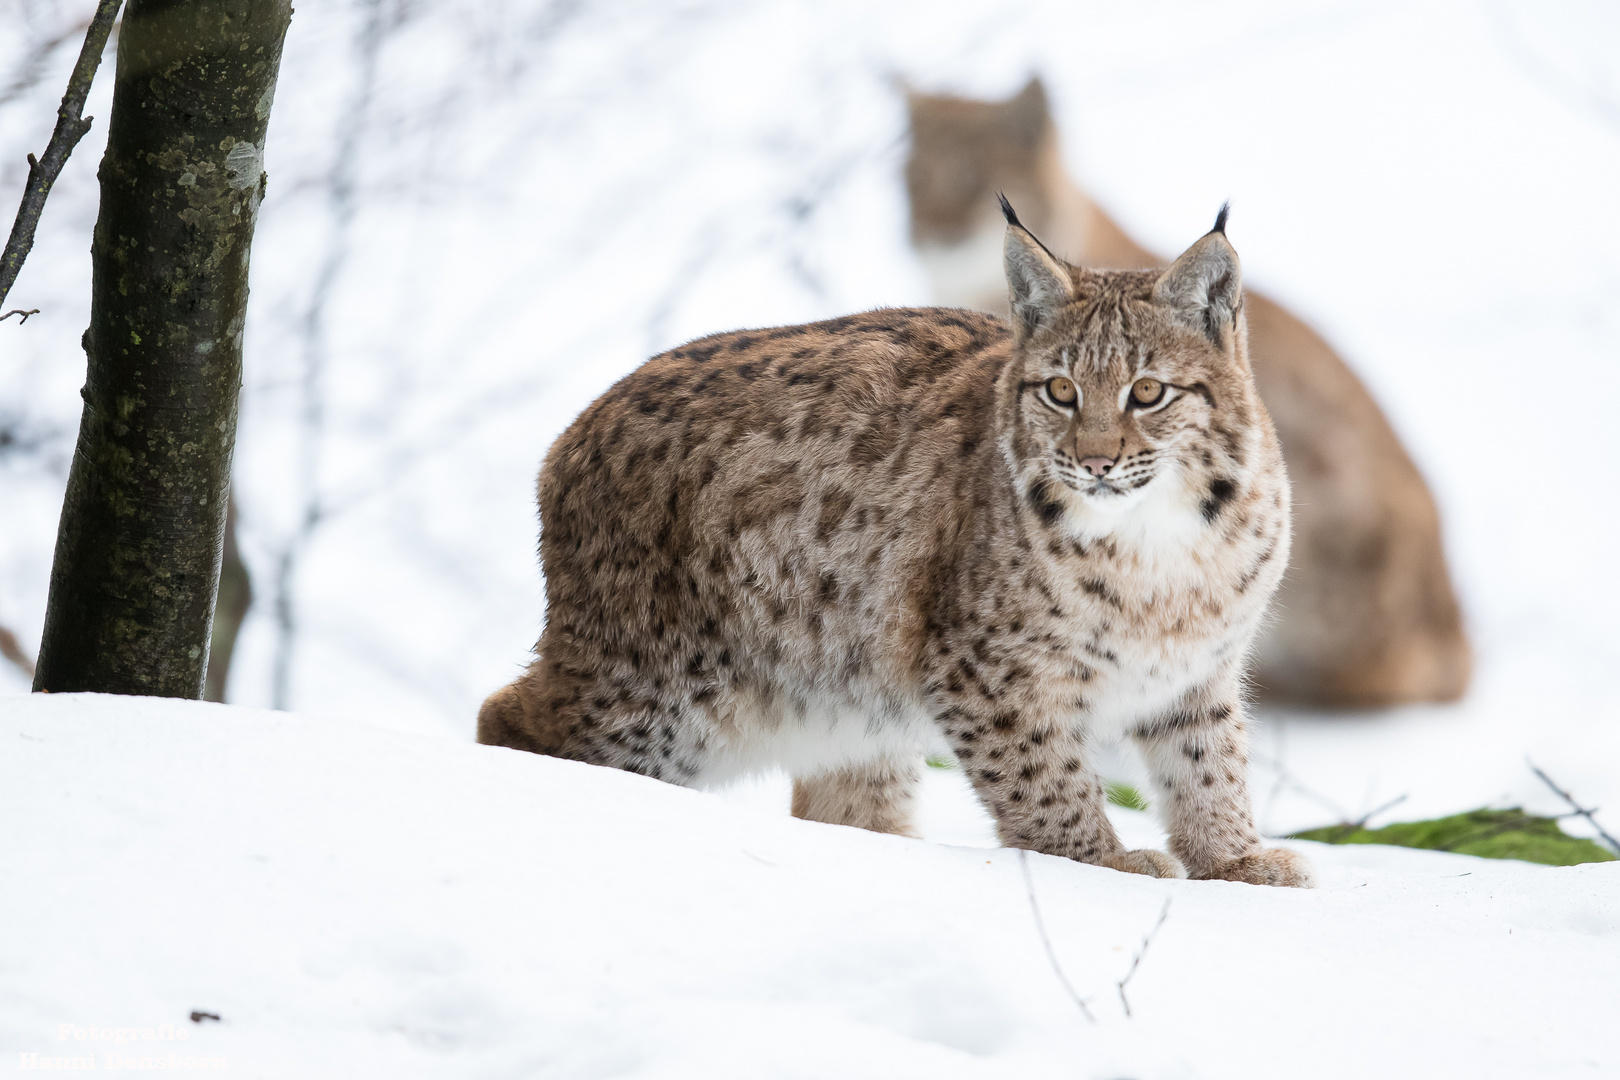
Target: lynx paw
{"points": [[1272, 866], [1146, 861]]}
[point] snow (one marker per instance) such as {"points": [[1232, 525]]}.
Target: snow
{"points": [[355, 901], [545, 194]]}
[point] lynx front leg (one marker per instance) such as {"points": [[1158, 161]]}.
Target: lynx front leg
{"points": [[1199, 759], [1034, 779], [876, 796]]}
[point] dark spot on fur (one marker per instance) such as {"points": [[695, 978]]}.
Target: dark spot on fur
{"points": [[1100, 589], [1043, 499], [834, 505], [1221, 491]]}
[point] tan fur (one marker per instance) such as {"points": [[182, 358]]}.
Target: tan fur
{"points": [[876, 795], [1367, 615], [833, 548]]}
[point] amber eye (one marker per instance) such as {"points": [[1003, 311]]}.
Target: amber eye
{"points": [[1147, 391], [1062, 390]]}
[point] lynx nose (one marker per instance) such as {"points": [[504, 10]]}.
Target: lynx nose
{"points": [[1097, 466]]}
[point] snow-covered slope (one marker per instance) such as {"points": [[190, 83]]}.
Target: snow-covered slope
{"points": [[353, 901]]}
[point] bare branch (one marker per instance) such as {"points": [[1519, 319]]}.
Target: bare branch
{"points": [[1287, 781], [19, 311], [34, 64], [11, 650], [1614, 845], [1040, 926], [71, 125], [1137, 959], [1361, 822], [1349, 828]]}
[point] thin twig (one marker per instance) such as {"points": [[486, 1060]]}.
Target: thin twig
{"points": [[1347, 828], [1361, 822], [13, 651], [19, 311], [1040, 926], [33, 66], [1614, 845], [1286, 780], [71, 125], [1164, 913]]}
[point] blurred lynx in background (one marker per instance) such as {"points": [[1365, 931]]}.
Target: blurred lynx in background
{"points": [[1366, 615]]}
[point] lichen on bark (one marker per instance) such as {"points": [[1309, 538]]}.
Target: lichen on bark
{"points": [[139, 547]]}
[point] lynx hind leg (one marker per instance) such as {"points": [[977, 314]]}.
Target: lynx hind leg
{"points": [[878, 796], [504, 720], [570, 711]]}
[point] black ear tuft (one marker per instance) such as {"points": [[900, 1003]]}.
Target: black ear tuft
{"points": [[1203, 288], [1220, 218], [1038, 282], [1008, 212]]}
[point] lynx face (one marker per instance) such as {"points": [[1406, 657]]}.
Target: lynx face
{"points": [[1132, 388], [1118, 420]]}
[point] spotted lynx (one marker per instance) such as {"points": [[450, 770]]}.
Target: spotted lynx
{"points": [[835, 547]]}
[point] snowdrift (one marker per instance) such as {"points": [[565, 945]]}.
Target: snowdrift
{"points": [[354, 901]]}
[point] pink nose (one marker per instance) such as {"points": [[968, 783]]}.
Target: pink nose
{"points": [[1097, 466]]}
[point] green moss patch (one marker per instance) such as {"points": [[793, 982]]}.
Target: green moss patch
{"points": [[1125, 795], [1490, 834]]}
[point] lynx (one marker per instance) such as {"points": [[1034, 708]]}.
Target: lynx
{"points": [[835, 547], [1366, 615]]}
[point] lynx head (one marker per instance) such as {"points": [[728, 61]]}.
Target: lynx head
{"points": [[1134, 411], [963, 151]]}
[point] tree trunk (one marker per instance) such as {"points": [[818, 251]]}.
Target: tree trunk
{"points": [[139, 546]]}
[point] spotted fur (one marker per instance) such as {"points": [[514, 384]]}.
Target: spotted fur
{"points": [[834, 547]]}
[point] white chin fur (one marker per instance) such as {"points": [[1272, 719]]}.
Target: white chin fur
{"points": [[1161, 518]]}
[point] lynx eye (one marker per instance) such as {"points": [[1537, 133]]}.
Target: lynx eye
{"points": [[1062, 390], [1147, 392]]}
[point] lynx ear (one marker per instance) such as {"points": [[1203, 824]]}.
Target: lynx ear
{"points": [[1204, 288], [1038, 284], [1026, 115]]}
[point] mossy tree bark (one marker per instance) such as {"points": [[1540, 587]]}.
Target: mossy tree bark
{"points": [[139, 546]]}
